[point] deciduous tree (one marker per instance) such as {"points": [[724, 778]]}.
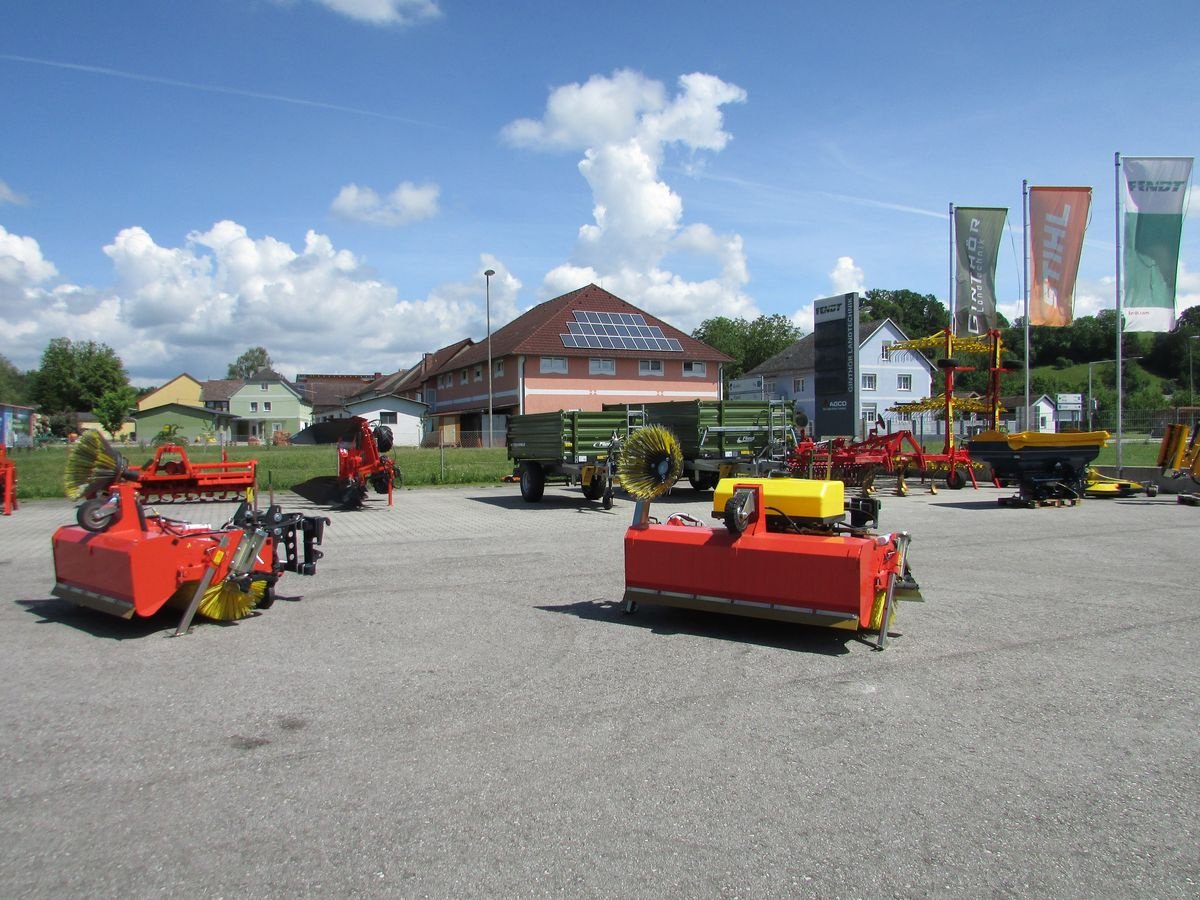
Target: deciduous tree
{"points": [[249, 362]]}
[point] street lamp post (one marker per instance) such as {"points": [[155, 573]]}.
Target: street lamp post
{"points": [[487, 294]]}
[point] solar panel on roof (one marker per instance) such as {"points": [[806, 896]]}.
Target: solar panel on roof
{"points": [[616, 331]]}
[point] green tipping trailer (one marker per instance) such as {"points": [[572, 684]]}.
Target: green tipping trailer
{"points": [[573, 446], [720, 438]]}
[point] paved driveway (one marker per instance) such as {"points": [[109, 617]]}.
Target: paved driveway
{"points": [[457, 707]]}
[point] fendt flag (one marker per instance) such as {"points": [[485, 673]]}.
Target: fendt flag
{"points": [[977, 238], [1156, 190], [1058, 217]]}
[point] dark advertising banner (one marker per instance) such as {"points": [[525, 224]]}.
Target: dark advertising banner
{"points": [[835, 360], [977, 233]]}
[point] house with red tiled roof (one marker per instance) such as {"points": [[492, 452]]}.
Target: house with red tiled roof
{"points": [[578, 351], [327, 394]]}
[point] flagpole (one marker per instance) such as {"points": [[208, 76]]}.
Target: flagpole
{"points": [[1025, 245], [1120, 318], [953, 323]]}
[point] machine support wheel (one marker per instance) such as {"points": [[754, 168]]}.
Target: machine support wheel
{"points": [[955, 480], [96, 515], [533, 482], [607, 499]]}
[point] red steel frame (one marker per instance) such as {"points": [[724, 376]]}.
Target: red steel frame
{"points": [[8, 483]]}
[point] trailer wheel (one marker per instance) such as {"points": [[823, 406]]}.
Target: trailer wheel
{"points": [[702, 481], [955, 480], [533, 482], [594, 489]]}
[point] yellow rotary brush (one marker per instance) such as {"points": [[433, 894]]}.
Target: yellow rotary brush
{"points": [[92, 466], [223, 602], [650, 462]]}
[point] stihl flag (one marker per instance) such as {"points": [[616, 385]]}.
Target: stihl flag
{"points": [[1058, 217]]}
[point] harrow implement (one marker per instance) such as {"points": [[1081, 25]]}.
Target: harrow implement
{"points": [[171, 477]]}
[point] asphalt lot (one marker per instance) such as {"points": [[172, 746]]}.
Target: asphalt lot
{"points": [[457, 707]]}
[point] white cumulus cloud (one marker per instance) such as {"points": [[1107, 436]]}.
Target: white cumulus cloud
{"points": [[197, 306], [386, 12], [407, 203], [846, 277], [625, 125]]}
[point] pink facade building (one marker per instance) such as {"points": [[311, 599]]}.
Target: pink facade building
{"points": [[578, 351]]}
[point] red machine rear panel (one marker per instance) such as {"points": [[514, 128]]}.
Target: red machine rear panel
{"points": [[834, 574]]}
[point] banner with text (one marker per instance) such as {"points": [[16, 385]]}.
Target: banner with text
{"points": [[977, 234], [835, 364], [1156, 190], [1058, 217]]}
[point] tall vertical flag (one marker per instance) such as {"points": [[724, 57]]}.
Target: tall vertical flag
{"points": [[1155, 200], [977, 233], [1058, 217]]}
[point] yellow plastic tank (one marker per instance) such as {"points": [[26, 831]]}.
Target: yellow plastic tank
{"points": [[800, 499]]}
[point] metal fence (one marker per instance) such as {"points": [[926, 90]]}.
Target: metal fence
{"points": [[445, 437]]}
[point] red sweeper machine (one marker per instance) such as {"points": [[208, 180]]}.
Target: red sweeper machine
{"points": [[784, 550], [123, 559]]}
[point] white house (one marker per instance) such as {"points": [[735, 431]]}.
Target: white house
{"points": [[884, 379], [1013, 417], [381, 402]]}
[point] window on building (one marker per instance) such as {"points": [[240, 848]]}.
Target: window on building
{"points": [[387, 418], [464, 377], [497, 368], [797, 385], [904, 382], [266, 406], [253, 406], [262, 386], [479, 373], [869, 381], [277, 426], [602, 366], [553, 365], [650, 366], [694, 368], [883, 354], [870, 413], [769, 388]]}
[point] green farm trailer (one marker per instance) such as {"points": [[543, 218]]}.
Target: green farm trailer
{"points": [[720, 438], [574, 447]]}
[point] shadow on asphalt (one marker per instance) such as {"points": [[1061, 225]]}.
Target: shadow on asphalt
{"points": [[666, 621], [970, 504], [163, 623], [556, 501]]}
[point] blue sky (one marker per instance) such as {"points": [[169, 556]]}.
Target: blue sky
{"points": [[330, 178]]}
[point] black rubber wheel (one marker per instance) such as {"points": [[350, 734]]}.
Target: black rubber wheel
{"points": [[533, 482], [96, 515], [383, 438], [955, 480], [703, 481], [595, 489], [607, 500], [352, 496]]}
